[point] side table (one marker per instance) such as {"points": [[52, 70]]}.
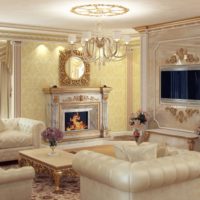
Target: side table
{"points": [[175, 138]]}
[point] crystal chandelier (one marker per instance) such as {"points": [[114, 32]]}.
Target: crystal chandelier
{"points": [[97, 47]]}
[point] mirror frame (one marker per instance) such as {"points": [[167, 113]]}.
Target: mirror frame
{"points": [[64, 78]]}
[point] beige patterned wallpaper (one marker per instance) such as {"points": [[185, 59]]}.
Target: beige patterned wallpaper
{"points": [[40, 69]]}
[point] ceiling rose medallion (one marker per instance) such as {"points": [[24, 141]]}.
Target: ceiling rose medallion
{"points": [[99, 10]]}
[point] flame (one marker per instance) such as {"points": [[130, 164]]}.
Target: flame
{"points": [[76, 123]]}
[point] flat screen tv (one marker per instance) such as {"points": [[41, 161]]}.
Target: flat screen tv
{"points": [[180, 83]]}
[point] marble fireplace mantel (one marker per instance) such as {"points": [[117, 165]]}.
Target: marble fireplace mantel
{"points": [[61, 99]]}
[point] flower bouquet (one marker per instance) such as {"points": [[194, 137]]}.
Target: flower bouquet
{"points": [[138, 121], [52, 135]]}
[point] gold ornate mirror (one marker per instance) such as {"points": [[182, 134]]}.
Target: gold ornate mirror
{"points": [[75, 67], [73, 70]]}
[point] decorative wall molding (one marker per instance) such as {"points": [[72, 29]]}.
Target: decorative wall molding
{"points": [[144, 65], [182, 115], [182, 56], [168, 25], [80, 98], [16, 48], [129, 87]]}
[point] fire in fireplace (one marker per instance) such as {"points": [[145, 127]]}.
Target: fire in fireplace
{"points": [[75, 121]]}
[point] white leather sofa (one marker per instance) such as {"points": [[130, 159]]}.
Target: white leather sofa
{"points": [[175, 177], [16, 184], [19, 134]]}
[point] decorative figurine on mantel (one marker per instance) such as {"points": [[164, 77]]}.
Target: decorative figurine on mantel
{"points": [[138, 121]]}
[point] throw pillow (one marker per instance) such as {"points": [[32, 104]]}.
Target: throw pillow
{"points": [[120, 152], [141, 152], [172, 151], [162, 149], [2, 126]]}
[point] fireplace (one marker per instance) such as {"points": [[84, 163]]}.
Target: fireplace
{"points": [[76, 121], [79, 112], [80, 118]]}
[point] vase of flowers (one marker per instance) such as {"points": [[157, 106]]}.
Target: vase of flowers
{"points": [[52, 136], [136, 134], [138, 121]]}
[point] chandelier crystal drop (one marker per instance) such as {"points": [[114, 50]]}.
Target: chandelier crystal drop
{"points": [[96, 47]]}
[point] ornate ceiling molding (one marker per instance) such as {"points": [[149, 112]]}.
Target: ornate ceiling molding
{"points": [[26, 32], [167, 25], [21, 36], [99, 10], [17, 32]]}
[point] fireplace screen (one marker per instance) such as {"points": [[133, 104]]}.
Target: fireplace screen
{"points": [[75, 121]]}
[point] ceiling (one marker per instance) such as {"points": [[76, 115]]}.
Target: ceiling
{"points": [[56, 13]]}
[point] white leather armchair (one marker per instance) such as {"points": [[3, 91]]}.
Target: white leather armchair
{"points": [[175, 177], [16, 184], [19, 134]]}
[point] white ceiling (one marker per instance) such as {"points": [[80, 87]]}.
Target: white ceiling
{"points": [[56, 13]]}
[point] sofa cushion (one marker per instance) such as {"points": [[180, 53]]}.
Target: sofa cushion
{"points": [[162, 149], [14, 138], [11, 123], [136, 152], [2, 126]]}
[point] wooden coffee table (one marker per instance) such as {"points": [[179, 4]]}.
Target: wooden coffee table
{"points": [[56, 165]]}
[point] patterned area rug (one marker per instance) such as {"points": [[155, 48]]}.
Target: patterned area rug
{"points": [[43, 187]]}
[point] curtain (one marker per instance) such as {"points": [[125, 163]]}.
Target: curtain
{"points": [[5, 79]]}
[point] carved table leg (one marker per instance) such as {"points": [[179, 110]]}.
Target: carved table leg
{"points": [[57, 177], [191, 144]]}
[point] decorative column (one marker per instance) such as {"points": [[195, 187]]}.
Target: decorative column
{"points": [[55, 111], [104, 125], [16, 85], [144, 60]]}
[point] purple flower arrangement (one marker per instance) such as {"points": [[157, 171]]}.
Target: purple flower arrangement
{"points": [[52, 135]]}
